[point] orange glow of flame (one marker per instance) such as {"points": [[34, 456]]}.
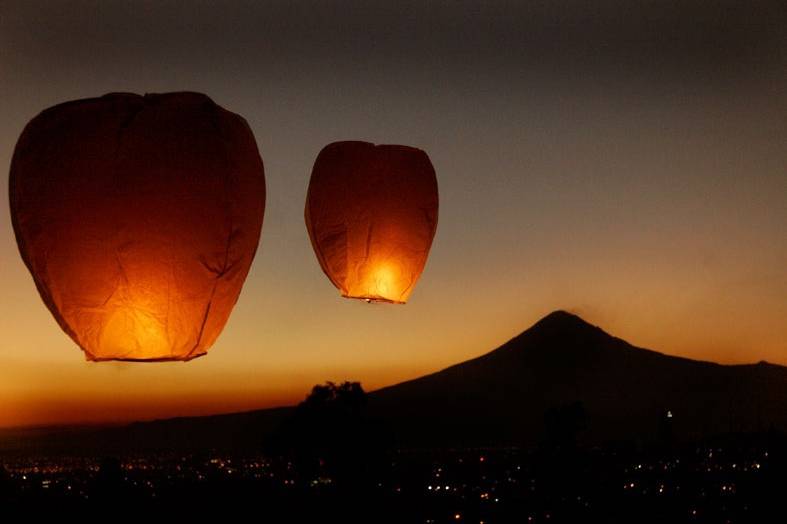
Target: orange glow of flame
{"points": [[135, 334], [380, 282]]}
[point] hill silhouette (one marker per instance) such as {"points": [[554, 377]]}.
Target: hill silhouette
{"points": [[626, 391], [501, 397]]}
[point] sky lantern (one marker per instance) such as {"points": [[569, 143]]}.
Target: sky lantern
{"points": [[138, 217], [371, 213]]}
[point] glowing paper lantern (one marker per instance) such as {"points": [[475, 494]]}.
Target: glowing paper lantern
{"points": [[138, 218], [371, 213]]}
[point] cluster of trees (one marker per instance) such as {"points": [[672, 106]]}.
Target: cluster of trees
{"points": [[330, 435]]}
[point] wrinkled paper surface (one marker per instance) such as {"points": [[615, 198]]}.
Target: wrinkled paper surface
{"points": [[371, 214], [138, 217]]}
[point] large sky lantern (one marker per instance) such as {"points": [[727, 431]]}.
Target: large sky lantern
{"points": [[371, 213], [138, 217]]}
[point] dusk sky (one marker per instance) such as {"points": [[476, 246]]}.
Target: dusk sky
{"points": [[623, 160]]}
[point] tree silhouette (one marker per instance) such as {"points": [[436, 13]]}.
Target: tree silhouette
{"points": [[329, 435], [347, 397]]}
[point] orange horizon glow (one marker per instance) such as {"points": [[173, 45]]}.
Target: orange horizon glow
{"points": [[115, 396], [65, 403]]}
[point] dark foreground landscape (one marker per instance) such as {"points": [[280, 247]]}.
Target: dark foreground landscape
{"points": [[733, 481], [564, 423]]}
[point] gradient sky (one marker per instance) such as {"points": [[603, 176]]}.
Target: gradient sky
{"points": [[624, 160]]}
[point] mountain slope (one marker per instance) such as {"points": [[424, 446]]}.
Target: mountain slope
{"points": [[501, 397]]}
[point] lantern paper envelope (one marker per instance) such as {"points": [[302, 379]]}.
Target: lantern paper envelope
{"points": [[371, 213], [138, 217]]}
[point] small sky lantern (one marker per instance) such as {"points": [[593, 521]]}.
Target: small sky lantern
{"points": [[138, 217], [371, 213]]}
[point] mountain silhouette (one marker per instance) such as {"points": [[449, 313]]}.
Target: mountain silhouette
{"points": [[501, 398]]}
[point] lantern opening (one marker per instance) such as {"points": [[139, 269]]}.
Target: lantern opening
{"points": [[381, 282], [375, 300]]}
